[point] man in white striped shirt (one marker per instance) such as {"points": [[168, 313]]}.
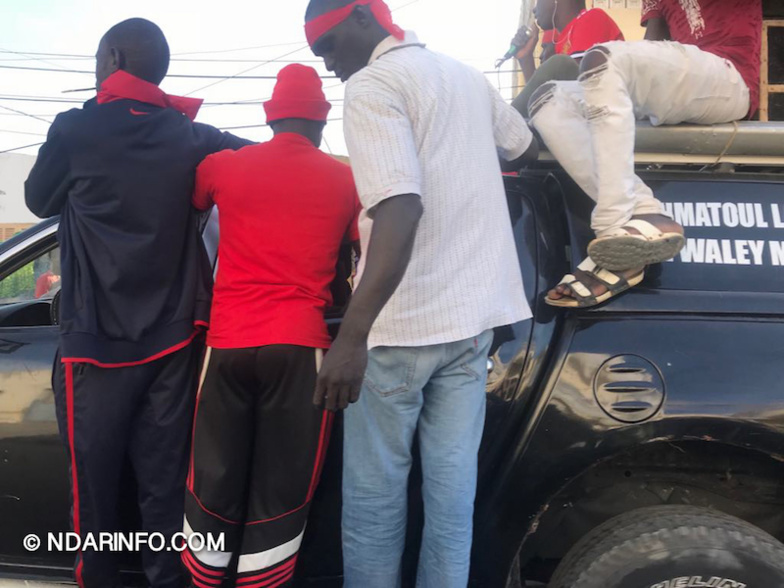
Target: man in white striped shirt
{"points": [[439, 272]]}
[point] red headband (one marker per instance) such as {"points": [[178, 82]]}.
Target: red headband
{"points": [[321, 25]]}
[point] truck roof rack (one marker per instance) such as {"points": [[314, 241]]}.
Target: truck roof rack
{"points": [[745, 143]]}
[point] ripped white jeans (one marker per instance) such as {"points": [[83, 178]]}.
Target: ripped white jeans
{"points": [[588, 125]]}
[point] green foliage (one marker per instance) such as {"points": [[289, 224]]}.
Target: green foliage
{"points": [[18, 286]]}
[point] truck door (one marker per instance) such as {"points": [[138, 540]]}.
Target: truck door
{"points": [[34, 491]]}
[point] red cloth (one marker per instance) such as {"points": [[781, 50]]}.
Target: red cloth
{"points": [[731, 29], [297, 94], [123, 86], [319, 26], [589, 28], [45, 282], [549, 36], [285, 208]]}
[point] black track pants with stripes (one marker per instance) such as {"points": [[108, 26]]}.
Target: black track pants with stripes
{"points": [[258, 447], [142, 414]]}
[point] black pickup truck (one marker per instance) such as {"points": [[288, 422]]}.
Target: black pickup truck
{"points": [[639, 444]]}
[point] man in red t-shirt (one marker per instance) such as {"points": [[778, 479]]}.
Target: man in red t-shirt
{"points": [[708, 74], [45, 283], [572, 30], [259, 442]]}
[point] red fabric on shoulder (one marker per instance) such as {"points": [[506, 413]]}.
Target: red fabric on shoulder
{"points": [[123, 86]]}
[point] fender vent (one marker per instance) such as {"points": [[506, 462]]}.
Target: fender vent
{"points": [[629, 388]]}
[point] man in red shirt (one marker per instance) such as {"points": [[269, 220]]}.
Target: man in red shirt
{"points": [[49, 281], [259, 442], [572, 30], [708, 74]]}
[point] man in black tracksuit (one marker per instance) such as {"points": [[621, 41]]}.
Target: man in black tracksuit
{"points": [[135, 290]]}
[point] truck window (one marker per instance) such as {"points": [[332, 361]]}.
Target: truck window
{"points": [[27, 294], [37, 280]]}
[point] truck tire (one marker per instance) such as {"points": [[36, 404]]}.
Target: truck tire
{"points": [[673, 547]]}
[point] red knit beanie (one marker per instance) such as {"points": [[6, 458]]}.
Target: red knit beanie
{"points": [[297, 94]]}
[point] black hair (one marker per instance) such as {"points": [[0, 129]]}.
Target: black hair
{"points": [[143, 48], [318, 7]]}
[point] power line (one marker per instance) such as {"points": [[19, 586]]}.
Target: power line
{"points": [[173, 59], [22, 147], [262, 100], [27, 55], [25, 114], [41, 99], [58, 100], [22, 133], [245, 71], [259, 126], [21, 113], [31, 54], [404, 5], [195, 76], [216, 51], [247, 60], [223, 129], [25, 59], [208, 76]]}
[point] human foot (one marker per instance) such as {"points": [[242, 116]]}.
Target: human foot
{"points": [[643, 241], [591, 285]]}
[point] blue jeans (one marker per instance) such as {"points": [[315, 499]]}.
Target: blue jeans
{"points": [[438, 390]]}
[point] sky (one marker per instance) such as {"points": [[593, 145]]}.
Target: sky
{"points": [[237, 37]]}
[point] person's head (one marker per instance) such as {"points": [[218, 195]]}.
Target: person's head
{"points": [[136, 46], [346, 47], [557, 13], [298, 104]]}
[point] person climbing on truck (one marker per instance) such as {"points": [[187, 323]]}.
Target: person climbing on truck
{"points": [[707, 74]]}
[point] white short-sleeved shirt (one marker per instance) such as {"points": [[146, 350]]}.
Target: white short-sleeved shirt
{"points": [[418, 122]]}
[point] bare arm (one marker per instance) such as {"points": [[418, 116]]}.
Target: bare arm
{"points": [[528, 65], [656, 29], [525, 56], [531, 154], [387, 173], [395, 222]]}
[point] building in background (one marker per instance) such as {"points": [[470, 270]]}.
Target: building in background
{"points": [[8, 230], [14, 216]]}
